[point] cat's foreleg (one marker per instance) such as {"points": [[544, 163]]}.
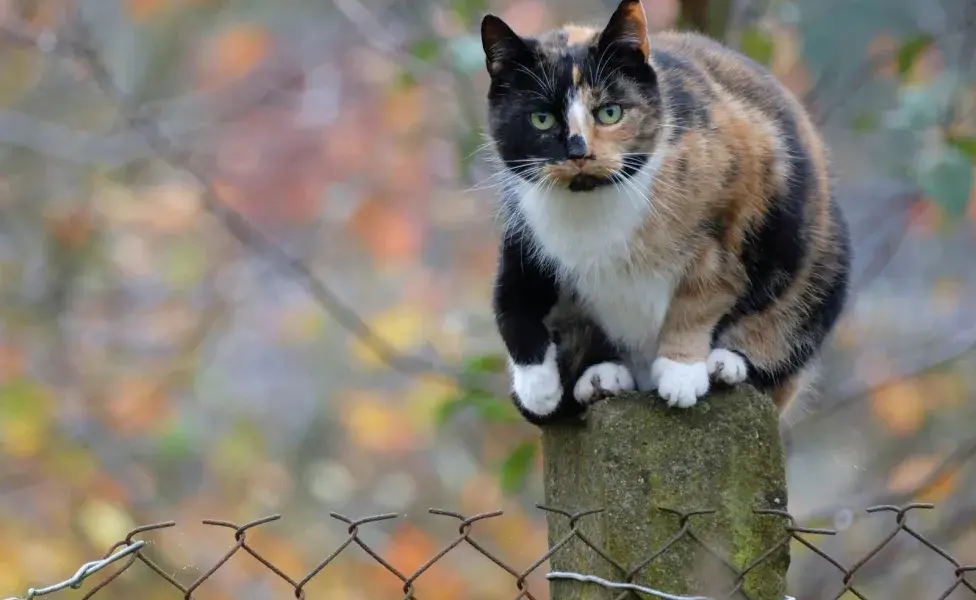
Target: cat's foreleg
{"points": [[680, 372], [523, 296]]}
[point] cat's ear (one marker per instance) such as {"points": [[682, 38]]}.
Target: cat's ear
{"points": [[627, 28], [500, 43]]}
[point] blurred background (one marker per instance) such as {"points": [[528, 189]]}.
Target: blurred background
{"points": [[246, 257]]}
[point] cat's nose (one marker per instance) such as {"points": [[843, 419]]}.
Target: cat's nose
{"points": [[576, 147]]}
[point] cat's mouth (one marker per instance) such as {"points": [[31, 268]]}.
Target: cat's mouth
{"points": [[583, 182]]}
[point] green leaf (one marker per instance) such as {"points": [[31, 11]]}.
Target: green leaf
{"points": [[947, 178], [911, 50], [486, 363], [469, 10], [865, 122], [757, 45], [515, 470], [489, 408], [425, 50], [174, 443], [498, 410], [966, 145], [449, 409]]}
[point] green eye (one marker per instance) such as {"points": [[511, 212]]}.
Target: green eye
{"points": [[542, 120], [609, 114]]}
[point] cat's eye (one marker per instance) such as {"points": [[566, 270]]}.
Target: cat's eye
{"points": [[609, 114], [542, 120]]}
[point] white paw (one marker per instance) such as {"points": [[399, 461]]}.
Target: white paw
{"points": [[538, 386], [608, 377], [727, 366], [681, 384]]}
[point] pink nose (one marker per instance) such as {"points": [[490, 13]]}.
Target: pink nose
{"points": [[580, 162]]}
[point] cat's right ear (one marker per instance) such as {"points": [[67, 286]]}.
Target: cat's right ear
{"points": [[501, 44]]}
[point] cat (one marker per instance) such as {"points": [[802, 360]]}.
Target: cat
{"points": [[669, 218]]}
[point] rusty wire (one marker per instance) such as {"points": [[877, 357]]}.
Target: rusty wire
{"points": [[130, 550]]}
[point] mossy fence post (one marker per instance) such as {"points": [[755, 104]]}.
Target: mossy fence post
{"points": [[633, 456]]}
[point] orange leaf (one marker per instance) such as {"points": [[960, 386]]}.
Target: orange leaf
{"points": [[884, 50], [234, 53], [924, 216], [910, 475], [900, 406], [409, 548], [404, 109], [940, 488], [136, 405], [11, 363], [389, 234], [143, 10]]}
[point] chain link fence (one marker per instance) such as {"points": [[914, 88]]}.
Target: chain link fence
{"points": [[127, 552]]}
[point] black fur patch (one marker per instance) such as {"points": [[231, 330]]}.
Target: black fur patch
{"points": [[524, 294], [686, 108], [833, 285], [773, 252]]}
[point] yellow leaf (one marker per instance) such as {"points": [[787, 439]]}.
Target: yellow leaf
{"points": [[401, 327], [10, 573], [22, 69], [173, 207], [428, 392], [374, 425], [24, 418], [104, 523], [900, 406], [303, 323], [946, 294]]}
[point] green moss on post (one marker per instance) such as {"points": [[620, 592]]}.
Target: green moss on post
{"points": [[633, 455]]}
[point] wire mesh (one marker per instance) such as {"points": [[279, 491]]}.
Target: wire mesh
{"points": [[130, 550]]}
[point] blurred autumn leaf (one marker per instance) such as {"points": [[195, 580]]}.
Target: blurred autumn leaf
{"points": [[910, 50], [488, 407], [757, 45], [486, 363], [966, 145], [518, 465]]}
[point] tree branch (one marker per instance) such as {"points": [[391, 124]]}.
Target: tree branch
{"points": [[78, 44]]}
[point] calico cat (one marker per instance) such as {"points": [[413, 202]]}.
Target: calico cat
{"points": [[669, 218]]}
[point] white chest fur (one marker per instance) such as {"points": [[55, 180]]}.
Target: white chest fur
{"points": [[591, 236]]}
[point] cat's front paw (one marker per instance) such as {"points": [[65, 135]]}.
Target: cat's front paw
{"points": [[538, 387], [727, 366], [681, 384], [608, 377]]}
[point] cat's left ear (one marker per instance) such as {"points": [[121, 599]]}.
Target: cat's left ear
{"points": [[500, 43], [627, 28]]}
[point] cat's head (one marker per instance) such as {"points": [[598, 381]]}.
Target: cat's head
{"points": [[576, 106]]}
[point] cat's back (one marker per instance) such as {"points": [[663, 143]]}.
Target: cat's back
{"points": [[700, 71], [689, 55]]}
